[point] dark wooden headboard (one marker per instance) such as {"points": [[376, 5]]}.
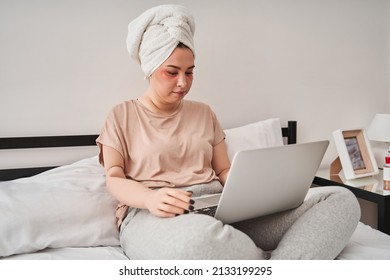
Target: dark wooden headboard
{"points": [[290, 132], [35, 142]]}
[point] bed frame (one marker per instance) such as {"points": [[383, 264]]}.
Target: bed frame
{"points": [[289, 132]]}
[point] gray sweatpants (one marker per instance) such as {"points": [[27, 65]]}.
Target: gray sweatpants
{"points": [[318, 229]]}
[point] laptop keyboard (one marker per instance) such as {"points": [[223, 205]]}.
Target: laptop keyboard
{"points": [[206, 211]]}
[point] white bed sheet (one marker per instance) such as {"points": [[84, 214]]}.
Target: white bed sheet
{"points": [[366, 244], [74, 253]]}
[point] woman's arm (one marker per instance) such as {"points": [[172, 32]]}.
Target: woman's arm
{"points": [[220, 161], [164, 202]]}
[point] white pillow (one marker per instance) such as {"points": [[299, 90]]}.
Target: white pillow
{"points": [[262, 134], [66, 206]]}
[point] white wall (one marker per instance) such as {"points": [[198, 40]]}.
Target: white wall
{"points": [[324, 63]]}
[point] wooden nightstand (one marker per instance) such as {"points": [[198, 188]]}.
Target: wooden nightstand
{"points": [[369, 188]]}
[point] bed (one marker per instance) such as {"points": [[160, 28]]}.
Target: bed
{"points": [[64, 212]]}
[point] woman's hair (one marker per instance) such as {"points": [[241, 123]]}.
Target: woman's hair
{"points": [[182, 46]]}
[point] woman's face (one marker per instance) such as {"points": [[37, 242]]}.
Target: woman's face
{"points": [[173, 79]]}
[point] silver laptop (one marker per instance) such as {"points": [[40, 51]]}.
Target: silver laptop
{"points": [[265, 181]]}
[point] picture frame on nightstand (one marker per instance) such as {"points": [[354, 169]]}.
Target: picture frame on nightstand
{"points": [[355, 156]]}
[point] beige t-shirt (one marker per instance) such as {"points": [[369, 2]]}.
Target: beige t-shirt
{"points": [[158, 151]]}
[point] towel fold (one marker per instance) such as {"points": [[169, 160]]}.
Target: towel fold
{"points": [[154, 35]]}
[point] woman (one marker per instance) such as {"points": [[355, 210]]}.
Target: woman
{"points": [[161, 149]]}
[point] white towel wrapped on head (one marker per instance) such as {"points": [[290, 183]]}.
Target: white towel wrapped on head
{"points": [[154, 35]]}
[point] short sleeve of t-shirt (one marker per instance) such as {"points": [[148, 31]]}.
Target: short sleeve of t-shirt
{"points": [[112, 134]]}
